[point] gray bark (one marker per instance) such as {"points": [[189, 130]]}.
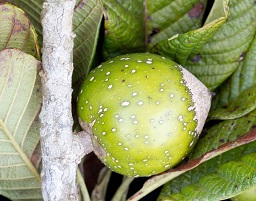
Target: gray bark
{"points": [[61, 149]]}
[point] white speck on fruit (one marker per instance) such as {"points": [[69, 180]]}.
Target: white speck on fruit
{"points": [[103, 133], [169, 113], [111, 62], [139, 61], [119, 144], [113, 129], [110, 86], [152, 120], [119, 166], [81, 91], [108, 73], [171, 95], [120, 120], [167, 166], [162, 84], [163, 57], [100, 110], [183, 99], [106, 79], [140, 103], [102, 122], [146, 136], [145, 160], [90, 107], [101, 115], [137, 136], [135, 122], [133, 116], [169, 134], [86, 102], [131, 164], [134, 94], [180, 118], [146, 142], [170, 158], [161, 89], [149, 62], [92, 78], [157, 102], [126, 149], [128, 135], [100, 106], [161, 121], [116, 116], [133, 71], [105, 109], [129, 85], [99, 66], [125, 103], [191, 143], [82, 108], [126, 66]]}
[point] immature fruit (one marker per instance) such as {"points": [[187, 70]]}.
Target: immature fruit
{"points": [[248, 195], [146, 112]]}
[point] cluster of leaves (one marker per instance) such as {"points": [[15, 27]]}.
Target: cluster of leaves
{"points": [[217, 43]]}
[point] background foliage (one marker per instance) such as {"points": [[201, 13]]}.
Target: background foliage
{"points": [[215, 40]]}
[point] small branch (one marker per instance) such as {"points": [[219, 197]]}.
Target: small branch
{"points": [[61, 150]]}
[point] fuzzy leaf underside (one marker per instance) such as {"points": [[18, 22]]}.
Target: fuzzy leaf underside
{"points": [[20, 101], [180, 47], [124, 28], [17, 31], [164, 19], [221, 55], [243, 78], [242, 105]]}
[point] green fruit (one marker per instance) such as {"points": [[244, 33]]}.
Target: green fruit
{"points": [[248, 195], [146, 112]]}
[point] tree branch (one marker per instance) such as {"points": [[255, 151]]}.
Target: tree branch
{"points": [[61, 150]]}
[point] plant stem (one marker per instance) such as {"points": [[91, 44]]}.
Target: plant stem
{"points": [[122, 188], [84, 191]]}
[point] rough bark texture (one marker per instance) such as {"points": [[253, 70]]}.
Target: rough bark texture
{"points": [[61, 150]]}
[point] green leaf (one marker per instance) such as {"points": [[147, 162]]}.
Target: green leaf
{"points": [[180, 47], [16, 30], [243, 78], [164, 19], [230, 179], [216, 138], [242, 105], [86, 24], [20, 102], [217, 141], [124, 27], [221, 56], [33, 10]]}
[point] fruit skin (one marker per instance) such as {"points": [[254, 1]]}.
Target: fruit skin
{"points": [[143, 112], [248, 195]]}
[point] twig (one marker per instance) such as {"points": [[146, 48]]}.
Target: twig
{"points": [[61, 150]]}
